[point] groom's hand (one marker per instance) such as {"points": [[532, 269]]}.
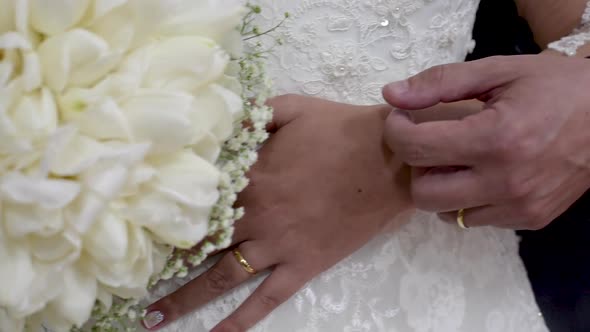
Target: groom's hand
{"points": [[522, 161], [325, 184]]}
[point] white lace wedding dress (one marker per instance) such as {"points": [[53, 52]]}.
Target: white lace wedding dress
{"points": [[430, 276]]}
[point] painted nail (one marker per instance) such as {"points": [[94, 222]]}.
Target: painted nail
{"points": [[153, 319]]}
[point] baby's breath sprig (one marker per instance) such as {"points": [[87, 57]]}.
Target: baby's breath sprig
{"points": [[237, 156], [255, 31], [238, 153]]}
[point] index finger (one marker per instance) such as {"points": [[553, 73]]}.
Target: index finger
{"points": [[439, 143], [454, 82]]}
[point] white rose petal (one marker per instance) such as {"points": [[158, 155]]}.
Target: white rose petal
{"points": [[108, 227], [36, 115], [5, 73], [6, 22], [215, 124], [106, 180], [9, 323], [75, 103], [104, 120], [76, 301], [126, 25], [139, 175], [31, 75], [54, 319], [21, 220], [75, 57], [184, 234], [208, 147], [54, 16], [15, 260], [216, 20], [169, 221], [10, 142], [184, 63], [102, 7], [85, 211], [75, 154], [104, 297], [189, 180], [233, 111], [14, 40], [129, 276], [46, 286], [59, 249], [161, 119], [48, 193]]}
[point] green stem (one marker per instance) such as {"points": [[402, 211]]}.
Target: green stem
{"points": [[267, 31]]}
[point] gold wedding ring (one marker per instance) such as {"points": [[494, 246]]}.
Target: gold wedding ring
{"points": [[461, 219], [243, 262]]}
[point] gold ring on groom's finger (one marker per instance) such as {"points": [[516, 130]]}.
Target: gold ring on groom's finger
{"points": [[243, 262], [461, 219]]}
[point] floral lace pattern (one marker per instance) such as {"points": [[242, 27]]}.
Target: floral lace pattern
{"points": [[346, 50], [429, 276]]}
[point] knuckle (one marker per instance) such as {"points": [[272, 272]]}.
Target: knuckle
{"points": [[435, 74], [284, 102], [290, 97], [392, 133], [512, 143], [216, 281], [507, 65]]}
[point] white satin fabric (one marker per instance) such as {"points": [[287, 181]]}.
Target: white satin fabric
{"points": [[429, 276]]}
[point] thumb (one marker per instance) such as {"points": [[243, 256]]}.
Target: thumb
{"points": [[453, 82]]}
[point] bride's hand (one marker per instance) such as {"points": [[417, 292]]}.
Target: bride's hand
{"points": [[325, 185]]}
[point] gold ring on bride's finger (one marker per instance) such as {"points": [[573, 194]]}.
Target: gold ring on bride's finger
{"points": [[461, 219], [243, 262]]}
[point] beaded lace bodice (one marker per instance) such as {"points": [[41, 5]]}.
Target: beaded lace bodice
{"points": [[429, 276]]}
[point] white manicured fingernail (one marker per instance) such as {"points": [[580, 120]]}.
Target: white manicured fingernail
{"points": [[153, 319]]}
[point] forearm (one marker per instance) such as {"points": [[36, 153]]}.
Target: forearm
{"points": [[560, 27], [550, 20]]}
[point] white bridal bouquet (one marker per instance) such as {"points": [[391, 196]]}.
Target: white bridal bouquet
{"points": [[122, 146]]}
